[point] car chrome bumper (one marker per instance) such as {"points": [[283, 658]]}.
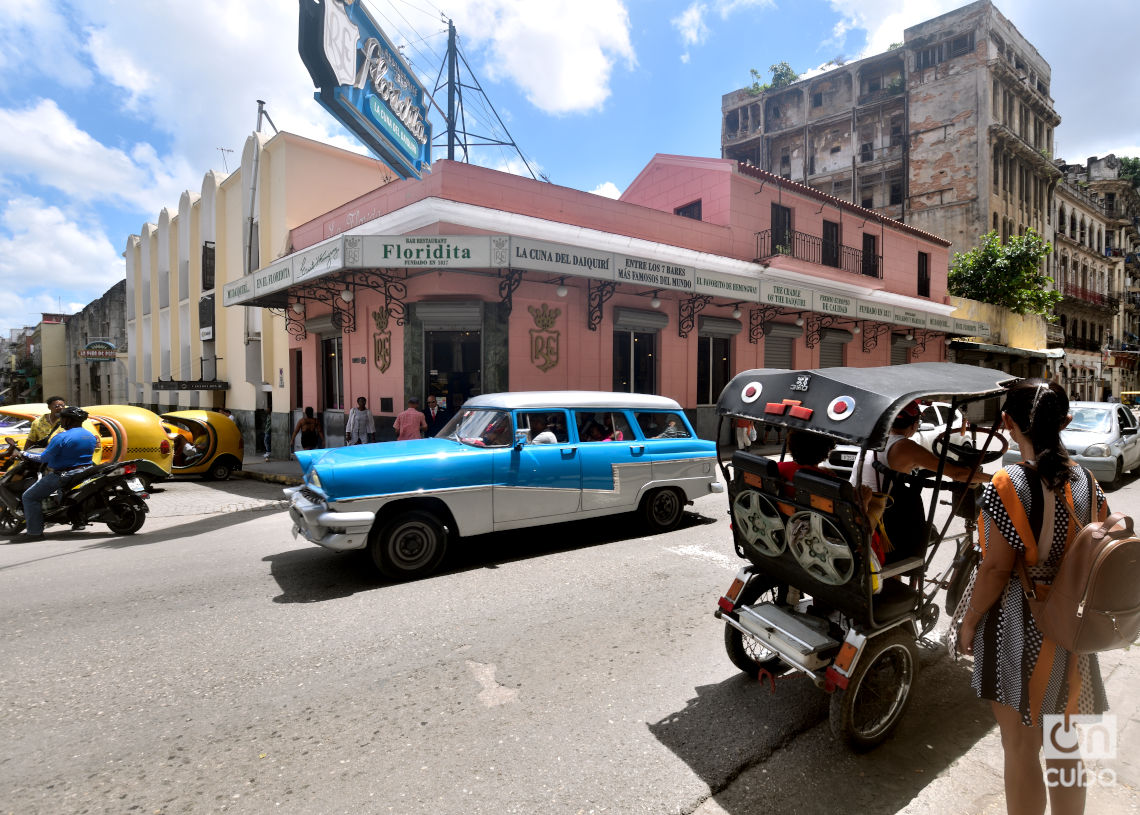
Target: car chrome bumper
{"points": [[313, 520], [716, 487]]}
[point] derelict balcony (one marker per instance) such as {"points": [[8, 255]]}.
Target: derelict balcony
{"points": [[1091, 297], [813, 249]]}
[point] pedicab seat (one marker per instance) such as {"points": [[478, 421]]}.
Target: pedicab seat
{"points": [[756, 471], [895, 600]]}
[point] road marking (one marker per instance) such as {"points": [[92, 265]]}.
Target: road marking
{"points": [[493, 694], [700, 553]]}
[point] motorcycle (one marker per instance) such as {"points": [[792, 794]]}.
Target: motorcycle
{"points": [[113, 494]]}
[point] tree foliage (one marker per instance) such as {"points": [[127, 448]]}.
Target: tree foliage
{"points": [[782, 76], [1006, 275], [1130, 170]]}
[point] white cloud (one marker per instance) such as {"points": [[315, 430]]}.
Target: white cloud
{"points": [[37, 42], [119, 67], [607, 189], [561, 58], [690, 23], [49, 261]]}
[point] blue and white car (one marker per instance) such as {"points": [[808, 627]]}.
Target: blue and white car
{"points": [[504, 461], [1102, 437]]}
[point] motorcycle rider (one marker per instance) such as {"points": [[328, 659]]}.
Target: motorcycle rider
{"points": [[72, 447]]}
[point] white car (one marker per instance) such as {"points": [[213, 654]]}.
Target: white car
{"points": [[932, 424], [1102, 437]]}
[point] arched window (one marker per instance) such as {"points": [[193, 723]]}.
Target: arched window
{"points": [[1084, 232], [1073, 225], [1061, 223]]}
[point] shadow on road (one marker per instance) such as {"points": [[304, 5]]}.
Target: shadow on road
{"points": [[312, 574], [781, 752]]}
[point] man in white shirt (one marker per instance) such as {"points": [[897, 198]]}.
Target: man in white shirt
{"points": [[360, 427]]}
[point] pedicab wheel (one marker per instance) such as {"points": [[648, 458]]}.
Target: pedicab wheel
{"points": [[662, 509], [409, 545], [877, 694], [128, 518], [10, 523], [749, 655]]}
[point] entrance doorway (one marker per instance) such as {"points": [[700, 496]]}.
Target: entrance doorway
{"points": [[453, 366]]}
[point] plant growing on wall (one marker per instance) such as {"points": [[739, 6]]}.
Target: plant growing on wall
{"points": [[1007, 275], [1130, 170], [782, 76]]}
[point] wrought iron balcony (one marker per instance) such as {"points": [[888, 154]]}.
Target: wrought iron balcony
{"points": [[813, 249], [1091, 297], [1082, 344]]}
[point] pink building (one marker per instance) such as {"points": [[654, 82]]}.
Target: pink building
{"points": [[473, 280]]}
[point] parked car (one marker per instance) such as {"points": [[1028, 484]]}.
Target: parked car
{"points": [[213, 445], [1102, 437], [932, 424], [504, 461]]}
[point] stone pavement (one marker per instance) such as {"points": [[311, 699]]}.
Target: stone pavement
{"points": [[276, 471]]}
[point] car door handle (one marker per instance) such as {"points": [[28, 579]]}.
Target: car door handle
{"points": [[569, 452], [637, 449]]}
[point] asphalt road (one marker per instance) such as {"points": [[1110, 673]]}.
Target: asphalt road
{"points": [[210, 663]]}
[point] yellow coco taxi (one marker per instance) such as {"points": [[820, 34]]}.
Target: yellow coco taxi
{"points": [[206, 443], [16, 420], [126, 433]]}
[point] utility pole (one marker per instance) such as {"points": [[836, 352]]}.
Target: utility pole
{"points": [[451, 68]]}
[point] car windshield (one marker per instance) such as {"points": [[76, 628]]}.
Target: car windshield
{"points": [[14, 422], [1091, 420], [480, 428]]}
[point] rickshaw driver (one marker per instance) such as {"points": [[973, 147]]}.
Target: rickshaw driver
{"points": [[905, 513]]}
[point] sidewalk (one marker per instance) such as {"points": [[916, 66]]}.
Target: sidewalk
{"points": [[286, 472]]}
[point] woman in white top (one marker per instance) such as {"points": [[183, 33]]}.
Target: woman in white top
{"points": [[360, 427]]}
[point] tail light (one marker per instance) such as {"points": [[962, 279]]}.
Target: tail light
{"points": [[164, 448], [130, 469]]}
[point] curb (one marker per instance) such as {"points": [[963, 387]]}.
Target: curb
{"points": [[271, 478]]}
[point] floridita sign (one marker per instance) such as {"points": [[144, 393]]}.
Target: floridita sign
{"points": [[365, 84]]}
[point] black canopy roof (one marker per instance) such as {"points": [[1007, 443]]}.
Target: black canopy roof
{"points": [[853, 404]]}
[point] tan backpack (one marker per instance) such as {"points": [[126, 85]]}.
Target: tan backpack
{"points": [[1093, 604]]}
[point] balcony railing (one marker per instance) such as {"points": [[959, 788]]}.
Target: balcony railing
{"points": [[1094, 297], [1082, 344], [813, 249]]}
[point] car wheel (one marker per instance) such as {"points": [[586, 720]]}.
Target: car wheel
{"points": [[662, 509], [219, 471], [1118, 474], [128, 517], [410, 545], [866, 712]]}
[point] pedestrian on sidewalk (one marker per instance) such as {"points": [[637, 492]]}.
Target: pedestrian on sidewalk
{"points": [[745, 433], [312, 436], [1023, 675], [410, 424], [360, 428]]}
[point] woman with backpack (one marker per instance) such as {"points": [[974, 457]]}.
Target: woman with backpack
{"points": [[1032, 510]]}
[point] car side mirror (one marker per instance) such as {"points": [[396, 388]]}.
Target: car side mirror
{"points": [[520, 438]]}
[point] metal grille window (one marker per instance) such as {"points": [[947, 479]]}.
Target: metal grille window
{"points": [[692, 210], [929, 57], [923, 274], [207, 265], [635, 364], [714, 368]]}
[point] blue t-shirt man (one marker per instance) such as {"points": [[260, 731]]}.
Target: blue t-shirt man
{"points": [[73, 447]]}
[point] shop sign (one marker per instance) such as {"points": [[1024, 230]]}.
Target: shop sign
{"points": [[274, 278], [320, 260], [875, 311], [543, 337], [364, 83], [425, 252], [936, 322], [734, 287], [238, 291], [558, 258], [97, 350], [838, 304], [653, 273], [908, 316], [781, 294], [967, 328], [190, 385]]}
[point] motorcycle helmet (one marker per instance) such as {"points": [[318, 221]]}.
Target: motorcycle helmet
{"points": [[76, 414]]}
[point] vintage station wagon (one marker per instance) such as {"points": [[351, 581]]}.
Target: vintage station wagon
{"points": [[504, 461]]}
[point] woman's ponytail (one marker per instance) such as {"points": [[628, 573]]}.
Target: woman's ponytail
{"points": [[1040, 408]]}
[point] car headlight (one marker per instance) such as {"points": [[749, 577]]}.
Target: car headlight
{"points": [[1096, 451], [314, 479]]}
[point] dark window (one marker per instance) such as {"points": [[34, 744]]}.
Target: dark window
{"points": [[692, 210], [835, 149], [635, 369], [923, 274], [866, 152], [811, 165], [962, 45], [817, 100], [870, 255], [781, 227], [896, 133], [868, 200], [929, 57], [896, 193], [875, 84], [332, 373], [714, 368], [830, 244], [207, 265]]}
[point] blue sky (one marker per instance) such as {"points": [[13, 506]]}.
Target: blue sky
{"points": [[110, 109]]}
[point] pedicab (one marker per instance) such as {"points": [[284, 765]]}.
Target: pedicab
{"points": [[814, 599], [215, 444]]}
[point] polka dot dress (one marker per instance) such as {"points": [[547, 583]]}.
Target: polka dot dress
{"points": [[1014, 664]]}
